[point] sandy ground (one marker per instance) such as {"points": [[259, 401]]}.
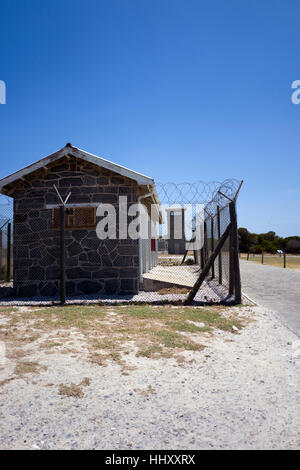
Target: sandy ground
{"points": [[241, 392]]}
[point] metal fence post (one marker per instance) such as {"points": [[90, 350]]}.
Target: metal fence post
{"points": [[212, 248], [235, 253], [62, 216], [8, 252], [205, 246], [62, 256], [202, 263], [219, 236], [231, 268], [1, 250], [284, 260]]}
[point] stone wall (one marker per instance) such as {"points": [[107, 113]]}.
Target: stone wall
{"points": [[92, 265]]}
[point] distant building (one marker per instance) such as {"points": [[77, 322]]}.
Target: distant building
{"points": [[162, 244], [176, 230]]}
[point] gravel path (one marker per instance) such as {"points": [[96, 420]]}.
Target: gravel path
{"points": [[275, 288], [241, 392]]}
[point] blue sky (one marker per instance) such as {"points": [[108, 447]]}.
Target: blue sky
{"points": [[178, 90]]}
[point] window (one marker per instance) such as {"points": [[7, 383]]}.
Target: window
{"points": [[76, 218]]}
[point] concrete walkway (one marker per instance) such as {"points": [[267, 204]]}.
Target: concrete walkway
{"points": [[180, 275], [275, 288]]}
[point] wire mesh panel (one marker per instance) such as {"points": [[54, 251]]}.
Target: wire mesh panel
{"points": [[6, 235], [152, 259], [3, 257], [203, 210], [222, 262]]}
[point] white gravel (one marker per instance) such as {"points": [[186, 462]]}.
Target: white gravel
{"points": [[210, 292], [241, 392]]}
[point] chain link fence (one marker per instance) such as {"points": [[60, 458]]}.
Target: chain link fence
{"points": [[189, 254], [6, 258], [177, 273]]}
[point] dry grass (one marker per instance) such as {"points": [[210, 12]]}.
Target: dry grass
{"points": [[74, 390], [147, 391], [71, 390], [23, 368], [173, 290], [111, 333], [170, 260], [5, 381], [85, 382], [50, 344], [292, 261], [102, 359]]}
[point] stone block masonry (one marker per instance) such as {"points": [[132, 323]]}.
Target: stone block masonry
{"points": [[92, 265]]}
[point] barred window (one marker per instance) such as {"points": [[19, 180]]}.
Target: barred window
{"points": [[76, 218]]}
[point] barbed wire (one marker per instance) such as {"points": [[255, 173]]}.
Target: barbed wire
{"points": [[211, 194], [215, 197], [226, 192], [200, 192], [186, 193], [5, 200]]}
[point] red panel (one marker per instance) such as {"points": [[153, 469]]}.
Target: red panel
{"points": [[153, 244]]}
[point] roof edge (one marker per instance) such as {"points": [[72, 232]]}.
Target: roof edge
{"points": [[76, 152]]}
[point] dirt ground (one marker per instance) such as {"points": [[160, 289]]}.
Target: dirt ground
{"points": [[146, 377]]}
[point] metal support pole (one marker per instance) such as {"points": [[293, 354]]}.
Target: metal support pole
{"points": [[231, 266], [212, 248], [284, 260], [184, 256], [1, 249], [62, 216], [219, 236], [262, 258], [205, 246], [196, 257], [235, 253], [8, 252], [202, 263], [62, 256]]}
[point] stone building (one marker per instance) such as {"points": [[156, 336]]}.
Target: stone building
{"points": [[93, 265], [176, 230]]}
